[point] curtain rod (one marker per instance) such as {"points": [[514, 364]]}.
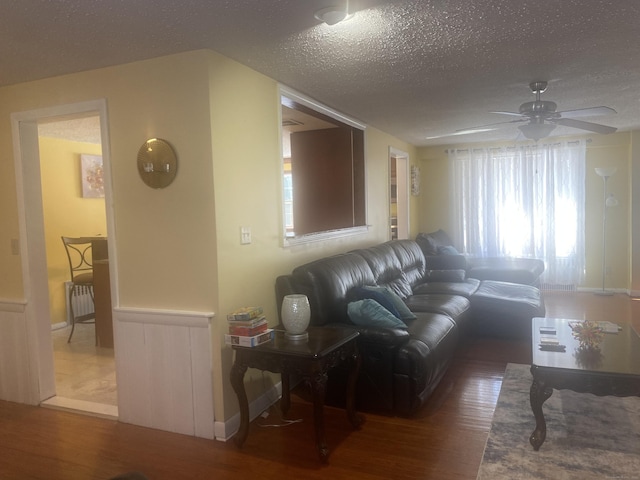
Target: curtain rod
{"points": [[588, 140]]}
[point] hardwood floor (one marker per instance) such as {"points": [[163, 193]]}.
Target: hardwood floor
{"points": [[444, 441]]}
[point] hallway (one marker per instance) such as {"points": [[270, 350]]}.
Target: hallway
{"points": [[85, 373]]}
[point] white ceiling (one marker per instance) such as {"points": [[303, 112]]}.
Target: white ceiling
{"points": [[85, 129], [412, 68]]}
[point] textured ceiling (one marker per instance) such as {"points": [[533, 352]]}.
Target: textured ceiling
{"points": [[85, 129], [413, 68]]}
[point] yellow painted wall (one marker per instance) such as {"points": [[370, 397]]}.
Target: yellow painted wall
{"points": [[247, 183], [164, 236], [602, 151], [65, 211], [10, 263], [179, 248], [634, 212], [609, 151]]}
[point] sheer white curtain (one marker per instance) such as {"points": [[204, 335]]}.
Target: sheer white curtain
{"points": [[525, 201]]}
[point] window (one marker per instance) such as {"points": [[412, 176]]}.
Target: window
{"points": [[288, 197], [323, 168], [523, 202]]}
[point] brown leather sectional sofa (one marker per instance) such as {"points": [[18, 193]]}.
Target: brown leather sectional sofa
{"points": [[402, 366]]}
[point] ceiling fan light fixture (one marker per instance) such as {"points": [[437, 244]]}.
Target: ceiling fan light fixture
{"points": [[536, 131], [331, 15]]}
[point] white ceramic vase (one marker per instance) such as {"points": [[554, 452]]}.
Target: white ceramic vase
{"points": [[296, 315]]}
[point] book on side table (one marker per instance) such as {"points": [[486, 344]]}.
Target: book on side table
{"points": [[248, 327], [254, 341]]}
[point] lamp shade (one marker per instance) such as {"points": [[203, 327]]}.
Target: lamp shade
{"points": [[606, 171]]}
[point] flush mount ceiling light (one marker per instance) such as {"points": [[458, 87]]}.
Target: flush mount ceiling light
{"points": [[536, 131], [331, 15]]}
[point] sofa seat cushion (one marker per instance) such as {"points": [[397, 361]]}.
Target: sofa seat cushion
{"points": [[451, 305], [503, 309], [515, 270], [466, 288]]}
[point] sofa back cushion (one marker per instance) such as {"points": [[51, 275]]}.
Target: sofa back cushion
{"points": [[327, 282], [398, 265], [411, 259], [430, 242], [386, 268]]}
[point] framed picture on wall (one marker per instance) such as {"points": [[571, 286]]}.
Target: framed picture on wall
{"points": [[92, 176]]}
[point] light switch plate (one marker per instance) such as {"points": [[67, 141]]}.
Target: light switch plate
{"points": [[245, 235]]}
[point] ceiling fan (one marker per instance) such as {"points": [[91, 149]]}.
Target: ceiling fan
{"points": [[540, 117]]}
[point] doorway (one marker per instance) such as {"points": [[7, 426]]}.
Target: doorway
{"points": [[64, 377], [398, 194]]}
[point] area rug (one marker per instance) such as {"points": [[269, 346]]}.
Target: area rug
{"points": [[588, 437]]}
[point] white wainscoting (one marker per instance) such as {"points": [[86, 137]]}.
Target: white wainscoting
{"points": [[225, 430], [164, 370], [15, 374]]}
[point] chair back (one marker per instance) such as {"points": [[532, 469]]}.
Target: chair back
{"points": [[79, 254]]}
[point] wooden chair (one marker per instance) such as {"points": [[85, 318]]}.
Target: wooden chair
{"points": [[80, 265]]}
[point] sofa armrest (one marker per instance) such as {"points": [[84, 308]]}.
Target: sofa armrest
{"points": [[383, 336], [446, 262], [378, 335]]}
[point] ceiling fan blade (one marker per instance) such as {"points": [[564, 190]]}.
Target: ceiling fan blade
{"points": [[592, 127], [587, 112], [509, 113], [461, 132], [479, 129], [489, 125]]}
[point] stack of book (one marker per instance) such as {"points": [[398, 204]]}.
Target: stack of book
{"points": [[248, 327]]}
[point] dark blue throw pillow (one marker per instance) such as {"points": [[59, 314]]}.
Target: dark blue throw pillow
{"points": [[362, 293]]}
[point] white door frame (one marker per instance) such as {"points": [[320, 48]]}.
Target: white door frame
{"points": [[32, 241], [402, 182]]}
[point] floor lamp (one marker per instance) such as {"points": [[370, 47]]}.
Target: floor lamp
{"points": [[607, 201]]}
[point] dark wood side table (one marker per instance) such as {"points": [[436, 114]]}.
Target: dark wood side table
{"points": [[102, 304], [310, 359], [102, 292]]}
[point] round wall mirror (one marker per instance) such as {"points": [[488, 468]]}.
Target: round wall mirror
{"points": [[157, 163]]}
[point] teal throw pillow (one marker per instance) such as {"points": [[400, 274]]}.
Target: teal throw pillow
{"points": [[361, 293], [403, 311], [369, 313]]}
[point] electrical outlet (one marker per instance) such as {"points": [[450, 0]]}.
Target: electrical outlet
{"points": [[15, 246]]}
